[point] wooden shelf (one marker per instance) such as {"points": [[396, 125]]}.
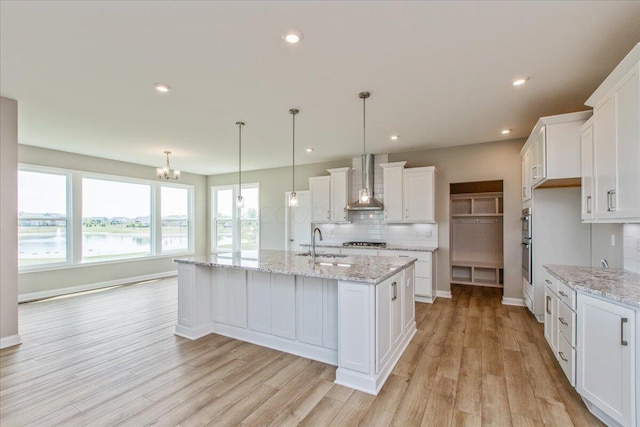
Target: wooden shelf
{"points": [[476, 264], [476, 215]]}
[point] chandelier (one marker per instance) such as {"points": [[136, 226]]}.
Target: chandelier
{"points": [[166, 172]]}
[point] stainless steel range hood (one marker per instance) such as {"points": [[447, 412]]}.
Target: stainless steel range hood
{"points": [[373, 205]]}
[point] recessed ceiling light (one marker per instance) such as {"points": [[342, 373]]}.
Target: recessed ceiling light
{"points": [[505, 131], [520, 81], [395, 137], [309, 150], [293, 36], [161, 87]]}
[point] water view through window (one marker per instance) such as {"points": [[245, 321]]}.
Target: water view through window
{"points": [[175, 218]]}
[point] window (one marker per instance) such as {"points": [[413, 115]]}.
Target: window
{"points": [[235, 229], [116, 219], [175, 211], [43, 222]]}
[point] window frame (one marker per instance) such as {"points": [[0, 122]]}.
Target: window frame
{"points": [[74, 217], [236, 219]]}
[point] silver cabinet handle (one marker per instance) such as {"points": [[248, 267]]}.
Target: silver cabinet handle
{"points": [[524, 191], [394, 285], [622, 323], [548, 281], [563, 321], [328, 214], [589, 208], [611, 197], [548, 301], [563, 294], [561, 354]]}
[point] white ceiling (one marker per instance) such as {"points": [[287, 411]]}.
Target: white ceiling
{"points": [[440, 74]]}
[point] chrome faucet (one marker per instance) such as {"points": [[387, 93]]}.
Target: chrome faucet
{"points": [[313, 243]]}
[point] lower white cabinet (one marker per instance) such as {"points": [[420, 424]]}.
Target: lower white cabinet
{"points": [[389, 326], [551, 319], [606, 359], [425, 272], [229, 296], [317, 311], [271, 299], [408, 304]]}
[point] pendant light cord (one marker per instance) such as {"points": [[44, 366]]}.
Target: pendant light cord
{"points": [[293, 156], [240, 124], [364, 138]]}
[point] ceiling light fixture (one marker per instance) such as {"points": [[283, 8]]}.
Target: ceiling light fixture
{"points": [[240, 199], [293, 198], [363, 194], [161, 87], [293, 36], [166, 172], [309, 150], [505, 131], [394, 137], [520, 81]]}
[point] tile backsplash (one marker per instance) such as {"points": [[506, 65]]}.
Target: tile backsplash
{"points": [[631, 233], [369, 226]]}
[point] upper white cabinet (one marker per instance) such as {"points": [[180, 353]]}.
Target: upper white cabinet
{"points": [[408, 193], [552, 152], [606, 359], [340, 193], [616, 142], [320, 189], [586, 160]]}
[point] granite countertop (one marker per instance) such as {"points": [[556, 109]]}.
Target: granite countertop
{"points": [[352, 268], [388, 247], [610, 283]]}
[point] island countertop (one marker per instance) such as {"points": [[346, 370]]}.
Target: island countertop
{"points": [[352, 268], [616, 285]]}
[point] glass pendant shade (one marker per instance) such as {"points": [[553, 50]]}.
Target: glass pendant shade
{"points": [[240, 201], [364, 196], [293, 199]]}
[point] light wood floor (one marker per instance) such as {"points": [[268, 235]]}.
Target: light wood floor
{"points": [[110, 358]]}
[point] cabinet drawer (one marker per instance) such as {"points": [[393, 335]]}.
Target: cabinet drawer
{"points": [[567, 295], [420, 256], [567, 323], [550, 281], [567, 358], [423, 269]]}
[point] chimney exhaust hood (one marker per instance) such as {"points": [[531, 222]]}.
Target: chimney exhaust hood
{"points": [[373, 204]]}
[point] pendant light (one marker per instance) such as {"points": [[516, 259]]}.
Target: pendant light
{"points": [[363, 195], [240, 200], [166, 172], [293, 198]]}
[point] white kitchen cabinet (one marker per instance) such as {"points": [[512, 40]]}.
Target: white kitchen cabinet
{"points": [[271, 302], [551, 319], [552, 152], [408, 197], [320, 189], [408, 304], [340, 194], [229, 297], [425, 272], [606, 359], [389, 327], [317, 311], [392, 184], [359, 251], [616, 152], [586, 167], [526, 174]]}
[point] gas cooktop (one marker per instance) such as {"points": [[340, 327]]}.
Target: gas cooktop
{"points": [[372, 244]]}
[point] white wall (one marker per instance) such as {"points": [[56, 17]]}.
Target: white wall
{"points": [[44, 283], [8, 223], [632, 247], [478, 162]]}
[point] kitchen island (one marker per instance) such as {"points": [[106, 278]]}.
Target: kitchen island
{"points": [[355, 312]]}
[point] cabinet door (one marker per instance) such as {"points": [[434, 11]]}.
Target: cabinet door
{"points": [[340, 192], [627, 107], [418, 194], [320, 188], [396, 311], [283, 305], [393, 177], [604, 158], [384, 294], [539, 166], [408, 291], [606, 357], [526, 175], [551, 319], [238, 297], [586, 163]]}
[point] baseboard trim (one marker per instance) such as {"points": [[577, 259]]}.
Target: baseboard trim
{"points": [[10, 341], [92, 286], [519, 302], [443, 294]]}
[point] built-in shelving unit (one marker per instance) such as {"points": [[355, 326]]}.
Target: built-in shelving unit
{"points": [[476, 239]]}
